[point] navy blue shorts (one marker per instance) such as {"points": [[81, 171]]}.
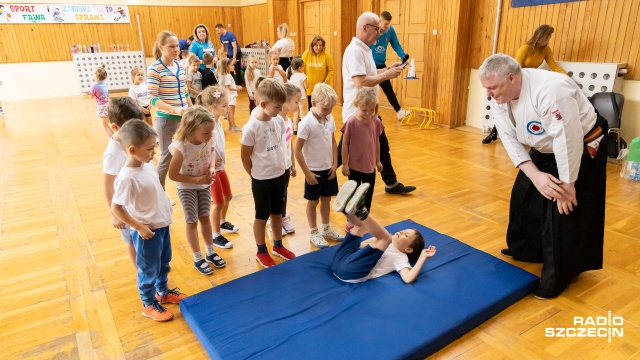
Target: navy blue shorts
{"points": [[324, 188], [350, 262], [268, 196]]}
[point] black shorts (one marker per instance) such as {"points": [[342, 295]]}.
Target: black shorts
{"points": [[268, 196], [324, 188]]}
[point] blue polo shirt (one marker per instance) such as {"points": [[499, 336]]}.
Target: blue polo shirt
{"points": [[183, 44], [227, 40], [379, 48], [199, 48]]}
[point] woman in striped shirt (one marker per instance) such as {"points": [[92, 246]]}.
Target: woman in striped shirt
{"points": [[167, 89]]}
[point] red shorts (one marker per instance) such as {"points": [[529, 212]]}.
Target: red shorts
{"points": [[220, 188]]}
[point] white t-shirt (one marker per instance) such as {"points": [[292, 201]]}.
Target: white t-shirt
{"points": [[139, 94], [297, 79], [139, 190], [318, 141], [114, 158], [288, 136], [251, 86], [357, 61], [266, 137], [286, 46], [392, 259], [219, 144], [552, 115], [227, 80], [196, 160], [276, 74]]}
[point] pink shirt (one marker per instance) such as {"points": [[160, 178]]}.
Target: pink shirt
{"points": [[363, 140]]}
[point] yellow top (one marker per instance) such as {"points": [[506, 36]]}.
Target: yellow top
{"points": [[528, 58], [319, 68]]}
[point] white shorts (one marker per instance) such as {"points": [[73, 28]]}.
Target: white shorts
{"points": [[232, 99]]}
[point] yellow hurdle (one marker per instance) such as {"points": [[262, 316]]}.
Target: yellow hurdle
{"points": [[412, 119]]}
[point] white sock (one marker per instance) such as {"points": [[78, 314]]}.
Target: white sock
{"points": [[326, 227], [197, 256], [314, 230], [215, 235], [222, 221], [209, 249]]}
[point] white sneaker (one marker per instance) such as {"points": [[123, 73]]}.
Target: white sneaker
{"points": [[286, 226], [401, 114], [332, 234], [173, 203], [319, 241], [344, 195]]}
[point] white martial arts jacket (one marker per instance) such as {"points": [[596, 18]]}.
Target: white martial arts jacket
{"points": [[551, 115]]}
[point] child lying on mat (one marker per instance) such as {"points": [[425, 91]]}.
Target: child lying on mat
{"points": [[357, 261]]}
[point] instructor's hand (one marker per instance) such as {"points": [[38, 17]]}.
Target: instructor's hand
{"points": [[568, 200], [548, 185]]}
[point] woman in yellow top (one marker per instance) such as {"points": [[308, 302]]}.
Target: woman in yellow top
{"points": [[531, 55], [318, 65]]}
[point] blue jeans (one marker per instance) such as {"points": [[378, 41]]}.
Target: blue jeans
{"points": [[152, 258]]}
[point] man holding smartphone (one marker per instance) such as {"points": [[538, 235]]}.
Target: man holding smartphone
{"points": [[379, 50], [359, 70]]}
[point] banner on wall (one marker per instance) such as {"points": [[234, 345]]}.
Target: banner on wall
{"points": [[521, 3], [62, 13]]}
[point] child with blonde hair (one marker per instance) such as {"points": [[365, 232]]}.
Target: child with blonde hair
{"points": [[192, 167], [263, 159], [275, 69], [216, 100], [100, 92], [194, 78], [317, 155], [361, 144], [225, 79], [138, 92], [298, 78], [251, 75]]}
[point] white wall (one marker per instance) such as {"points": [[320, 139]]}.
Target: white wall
{"points": [[24, 81], [630, 113]]}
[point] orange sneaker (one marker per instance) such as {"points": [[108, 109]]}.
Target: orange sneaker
{"points": [[173, 296], [157, 312]]}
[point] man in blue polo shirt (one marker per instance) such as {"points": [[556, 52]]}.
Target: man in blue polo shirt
{"points": [[184, 45], [379, 50], [228, 39]]}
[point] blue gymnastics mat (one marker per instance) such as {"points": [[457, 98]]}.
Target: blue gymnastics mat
{"points": [[299, 309]]}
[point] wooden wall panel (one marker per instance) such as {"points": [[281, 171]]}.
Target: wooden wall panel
{"points": [[255, 25], [585, 31], [52, 42]]}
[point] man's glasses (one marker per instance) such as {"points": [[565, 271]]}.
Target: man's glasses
{"points": [[378, 30]]}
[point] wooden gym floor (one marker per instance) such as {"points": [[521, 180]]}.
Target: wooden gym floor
{"points": [[68, 290]]}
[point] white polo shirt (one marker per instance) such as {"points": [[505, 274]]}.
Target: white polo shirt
{"points": [[318, 141], [357, 61], [551, 115]]}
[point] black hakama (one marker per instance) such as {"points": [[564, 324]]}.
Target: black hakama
{"points": [[566, 245]]}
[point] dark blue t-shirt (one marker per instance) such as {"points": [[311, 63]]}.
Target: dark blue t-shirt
{"points": [[227, 40]]}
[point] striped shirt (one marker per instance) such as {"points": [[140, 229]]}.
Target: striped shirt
{"points": [[162, 84]]}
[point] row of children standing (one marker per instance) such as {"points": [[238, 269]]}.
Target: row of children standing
{"points": [[194, 136]]}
